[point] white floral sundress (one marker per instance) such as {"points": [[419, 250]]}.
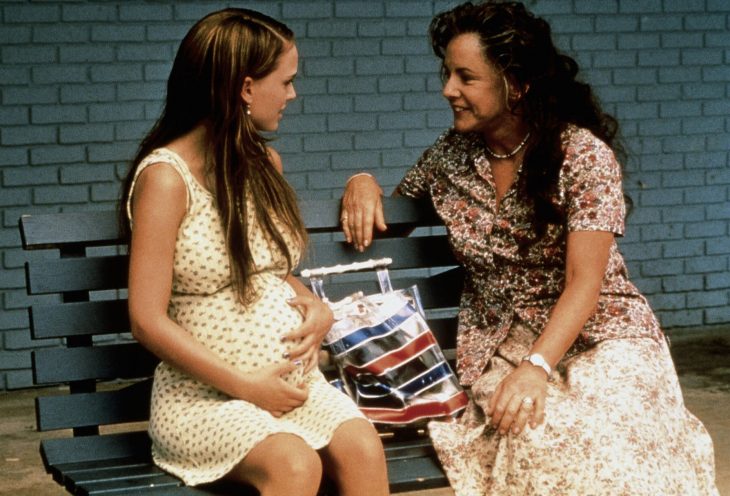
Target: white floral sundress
{"points": [[198, 433]]}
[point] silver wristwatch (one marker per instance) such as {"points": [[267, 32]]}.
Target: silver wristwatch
{"points": [[538, 360]]}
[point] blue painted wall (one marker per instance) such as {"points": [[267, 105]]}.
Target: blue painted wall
{"points": [[81, 81]]}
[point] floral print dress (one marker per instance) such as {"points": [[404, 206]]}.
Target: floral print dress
{"points": [[615, 422], [199, 433]]}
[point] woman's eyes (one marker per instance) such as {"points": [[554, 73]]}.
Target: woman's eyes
{"points": [[445, 77]]}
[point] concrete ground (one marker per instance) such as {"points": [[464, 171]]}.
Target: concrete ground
{"points": [[703, 362]]}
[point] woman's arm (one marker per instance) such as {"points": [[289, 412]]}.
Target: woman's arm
{"points": [[159, 204], [362, 209], [585, 267], [586, 262], [362, 206]]}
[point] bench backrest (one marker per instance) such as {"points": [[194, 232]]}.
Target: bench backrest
{"points": [[108, 374]]}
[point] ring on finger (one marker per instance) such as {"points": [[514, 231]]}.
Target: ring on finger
{"points": [[528, 402]]}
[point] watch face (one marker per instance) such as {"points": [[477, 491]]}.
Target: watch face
{"points": [[539, 361]]}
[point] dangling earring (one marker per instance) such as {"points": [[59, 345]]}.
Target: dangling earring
{"points": [[248, 109]]}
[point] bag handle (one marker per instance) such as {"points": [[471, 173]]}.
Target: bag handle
{"points": [[380, 265]]}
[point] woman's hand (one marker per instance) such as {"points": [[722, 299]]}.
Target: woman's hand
{"points": [[510, 407], [318, 320], [267, 389], [362, 208]]}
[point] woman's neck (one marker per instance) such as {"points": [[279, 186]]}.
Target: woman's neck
{"points": [[506, 141]]}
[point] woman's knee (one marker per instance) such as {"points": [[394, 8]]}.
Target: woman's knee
{"points": [[358, 442], [355, 459], [370, 449], [280, 463], [302, 467]]}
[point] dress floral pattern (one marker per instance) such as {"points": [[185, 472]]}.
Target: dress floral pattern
{"points": [[503, 284], [608, 430], [614, 390], [198, 433]]}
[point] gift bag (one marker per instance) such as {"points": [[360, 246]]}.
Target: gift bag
{"points": [[387, 358]]}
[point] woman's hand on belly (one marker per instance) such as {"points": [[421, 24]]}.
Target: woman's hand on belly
{"points": [[318, 320], [267, 389]]}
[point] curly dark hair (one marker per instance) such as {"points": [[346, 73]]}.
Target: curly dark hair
{"points": [[519, 44]]}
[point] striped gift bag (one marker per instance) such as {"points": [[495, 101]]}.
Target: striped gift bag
{"points": [[388, 359]]}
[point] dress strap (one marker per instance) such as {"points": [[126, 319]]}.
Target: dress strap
{"points": [[166, 156]]}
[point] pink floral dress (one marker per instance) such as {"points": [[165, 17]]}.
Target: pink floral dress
{"points": [[615, 418]]}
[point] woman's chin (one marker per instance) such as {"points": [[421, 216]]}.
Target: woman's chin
{"points": [[271, 128], [462, 127]]}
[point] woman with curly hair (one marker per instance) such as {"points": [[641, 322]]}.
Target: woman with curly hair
{"points": [[573, 389], [215, 232]]}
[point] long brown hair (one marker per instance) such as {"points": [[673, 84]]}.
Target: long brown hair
{"points": [[204, 86], [520, 45]]}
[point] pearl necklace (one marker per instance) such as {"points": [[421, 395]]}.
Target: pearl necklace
{"points": [[510, 154]]}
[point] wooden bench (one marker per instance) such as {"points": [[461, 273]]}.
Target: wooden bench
{"points": [[104, 377]]}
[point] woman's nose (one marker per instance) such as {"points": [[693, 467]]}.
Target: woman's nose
{"points": [[449, 90]]}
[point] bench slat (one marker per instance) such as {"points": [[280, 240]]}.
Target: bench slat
{"points": [[128, 404], [191, 491], [420, 446], [110, 272], [97, 228], [65, 470], [324, 215], [116, 361], [410, 474], [105, 484], [74, 480], [76, 274], [79, 319], [444, 330], [55, 230], [407, 253], [111, 317], [128, 486], [120, 446]]}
